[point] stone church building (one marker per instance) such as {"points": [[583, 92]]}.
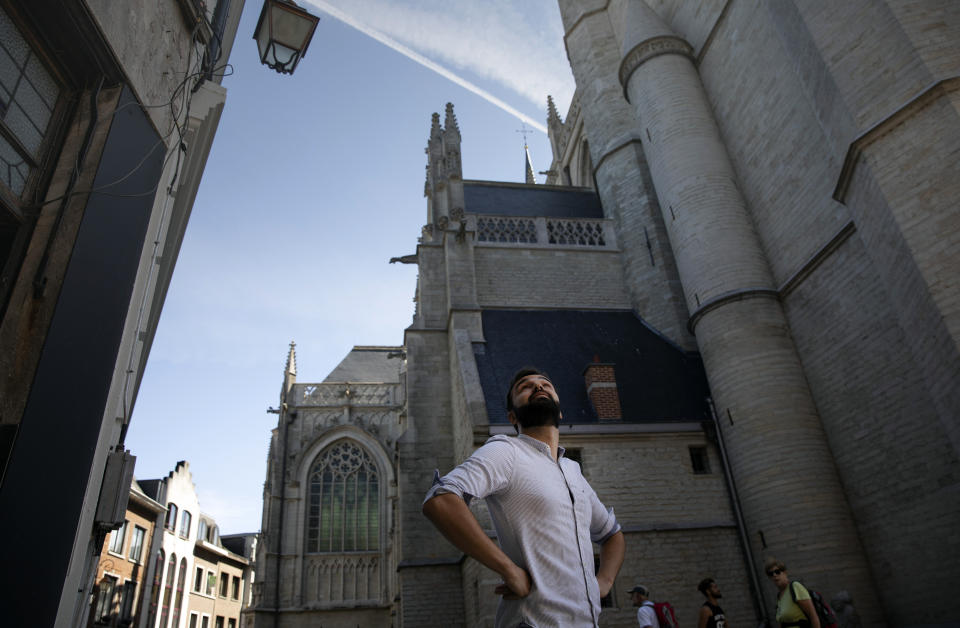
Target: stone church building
{"points": [[741, 275]]}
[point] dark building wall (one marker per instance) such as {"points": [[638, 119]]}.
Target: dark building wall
{"points": [[77, 365]]}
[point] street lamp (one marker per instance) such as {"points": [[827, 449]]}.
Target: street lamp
{"points": [[283, 33]]}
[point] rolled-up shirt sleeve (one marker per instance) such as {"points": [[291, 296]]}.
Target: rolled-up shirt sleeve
{"points": [[603, 523], [486, 472]]}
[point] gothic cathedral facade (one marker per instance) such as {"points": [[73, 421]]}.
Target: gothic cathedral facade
{"points": [[742, 276]]}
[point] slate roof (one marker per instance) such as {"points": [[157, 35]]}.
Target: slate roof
{"points": [[516, 199], [657, 381], [367, 364], [150, 488]]}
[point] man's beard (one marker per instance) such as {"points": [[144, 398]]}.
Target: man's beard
{"points": [[538, 412]]}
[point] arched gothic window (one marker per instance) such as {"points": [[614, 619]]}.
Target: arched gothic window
{"points": [[344, 508]]}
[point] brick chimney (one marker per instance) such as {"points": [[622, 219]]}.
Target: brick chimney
{"points": [[602, 389]]}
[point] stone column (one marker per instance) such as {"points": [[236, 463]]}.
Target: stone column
{"points": [[794, 504], [620, 171]]}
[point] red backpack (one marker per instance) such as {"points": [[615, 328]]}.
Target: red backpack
{"points": [[665, 615], [828, 619]]}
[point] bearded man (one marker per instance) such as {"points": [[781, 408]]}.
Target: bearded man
{"points": [[544, 512]]}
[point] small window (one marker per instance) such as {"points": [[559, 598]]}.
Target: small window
{"points": [[202, 530], [205, 622], [171, 517], [231, 623], [699, 460], [211, 582], [198, 580], [185, 524], [136, 543], [224, 583], [219, 621], [194, 618], [116, 541], [236, 588]]}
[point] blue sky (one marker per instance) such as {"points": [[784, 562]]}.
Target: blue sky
{"points": [[314, 181]]}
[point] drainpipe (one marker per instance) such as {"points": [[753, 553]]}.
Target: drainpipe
{"points": [[759, 601], [215, 47]]}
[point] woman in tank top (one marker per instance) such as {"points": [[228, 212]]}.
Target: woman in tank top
{"points": [[789, 612]]}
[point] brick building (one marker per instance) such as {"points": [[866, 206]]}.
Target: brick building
{"points": [[122, 568], [749, 233]]}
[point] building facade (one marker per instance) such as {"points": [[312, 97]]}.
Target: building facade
{"points": [[122, 569], [195, 582], [328, 546], [107, 114], [741, 278]]}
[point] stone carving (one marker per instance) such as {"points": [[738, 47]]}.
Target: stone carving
{"points": [[453, 170], [456, 213], [653, 47], [578, 232], [338, 395], [427, 232], [442, 223], [497, 229], [342, 578]]}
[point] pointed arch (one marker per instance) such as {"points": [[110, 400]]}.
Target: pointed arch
{"points": [[343, 500], [347, 489]]}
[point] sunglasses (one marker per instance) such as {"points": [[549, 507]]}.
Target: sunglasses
{"points": [[775, 572]]}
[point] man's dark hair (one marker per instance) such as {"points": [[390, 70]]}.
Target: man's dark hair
{"points": [[704, 585], [524, 372]]}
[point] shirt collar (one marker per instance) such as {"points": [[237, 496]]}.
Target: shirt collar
{"points": [[542, 446]]}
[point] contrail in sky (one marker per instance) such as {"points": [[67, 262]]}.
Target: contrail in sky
{"points": [[427, 63]]}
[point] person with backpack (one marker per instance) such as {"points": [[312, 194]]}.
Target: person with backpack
{"points": [[646, 615], [795, 603], [651, 614]]}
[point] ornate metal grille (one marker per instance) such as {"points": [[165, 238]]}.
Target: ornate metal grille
{"points": [[582, 233], [344, 509], [490, 229]]}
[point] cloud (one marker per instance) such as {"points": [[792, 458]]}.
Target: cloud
{"points": [[518, 45]]}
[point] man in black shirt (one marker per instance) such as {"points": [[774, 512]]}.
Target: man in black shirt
{"points": [[711, 615]]}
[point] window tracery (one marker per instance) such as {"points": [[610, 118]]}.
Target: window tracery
{"points": [[343, 513]]}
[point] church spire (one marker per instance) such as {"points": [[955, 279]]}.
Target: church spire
{"points": [[529, 165], [450, 120]]}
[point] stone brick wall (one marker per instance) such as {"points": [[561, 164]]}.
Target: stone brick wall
{"points": [[623, 180], [878, 416], [672, 562], [648, 478], [872, 324], [432, 596], [565, 278]]}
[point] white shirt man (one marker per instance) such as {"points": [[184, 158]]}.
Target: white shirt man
{"points": [[534, 494]]}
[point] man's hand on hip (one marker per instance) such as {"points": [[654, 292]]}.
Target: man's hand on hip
{"points": [[516, 584]]}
